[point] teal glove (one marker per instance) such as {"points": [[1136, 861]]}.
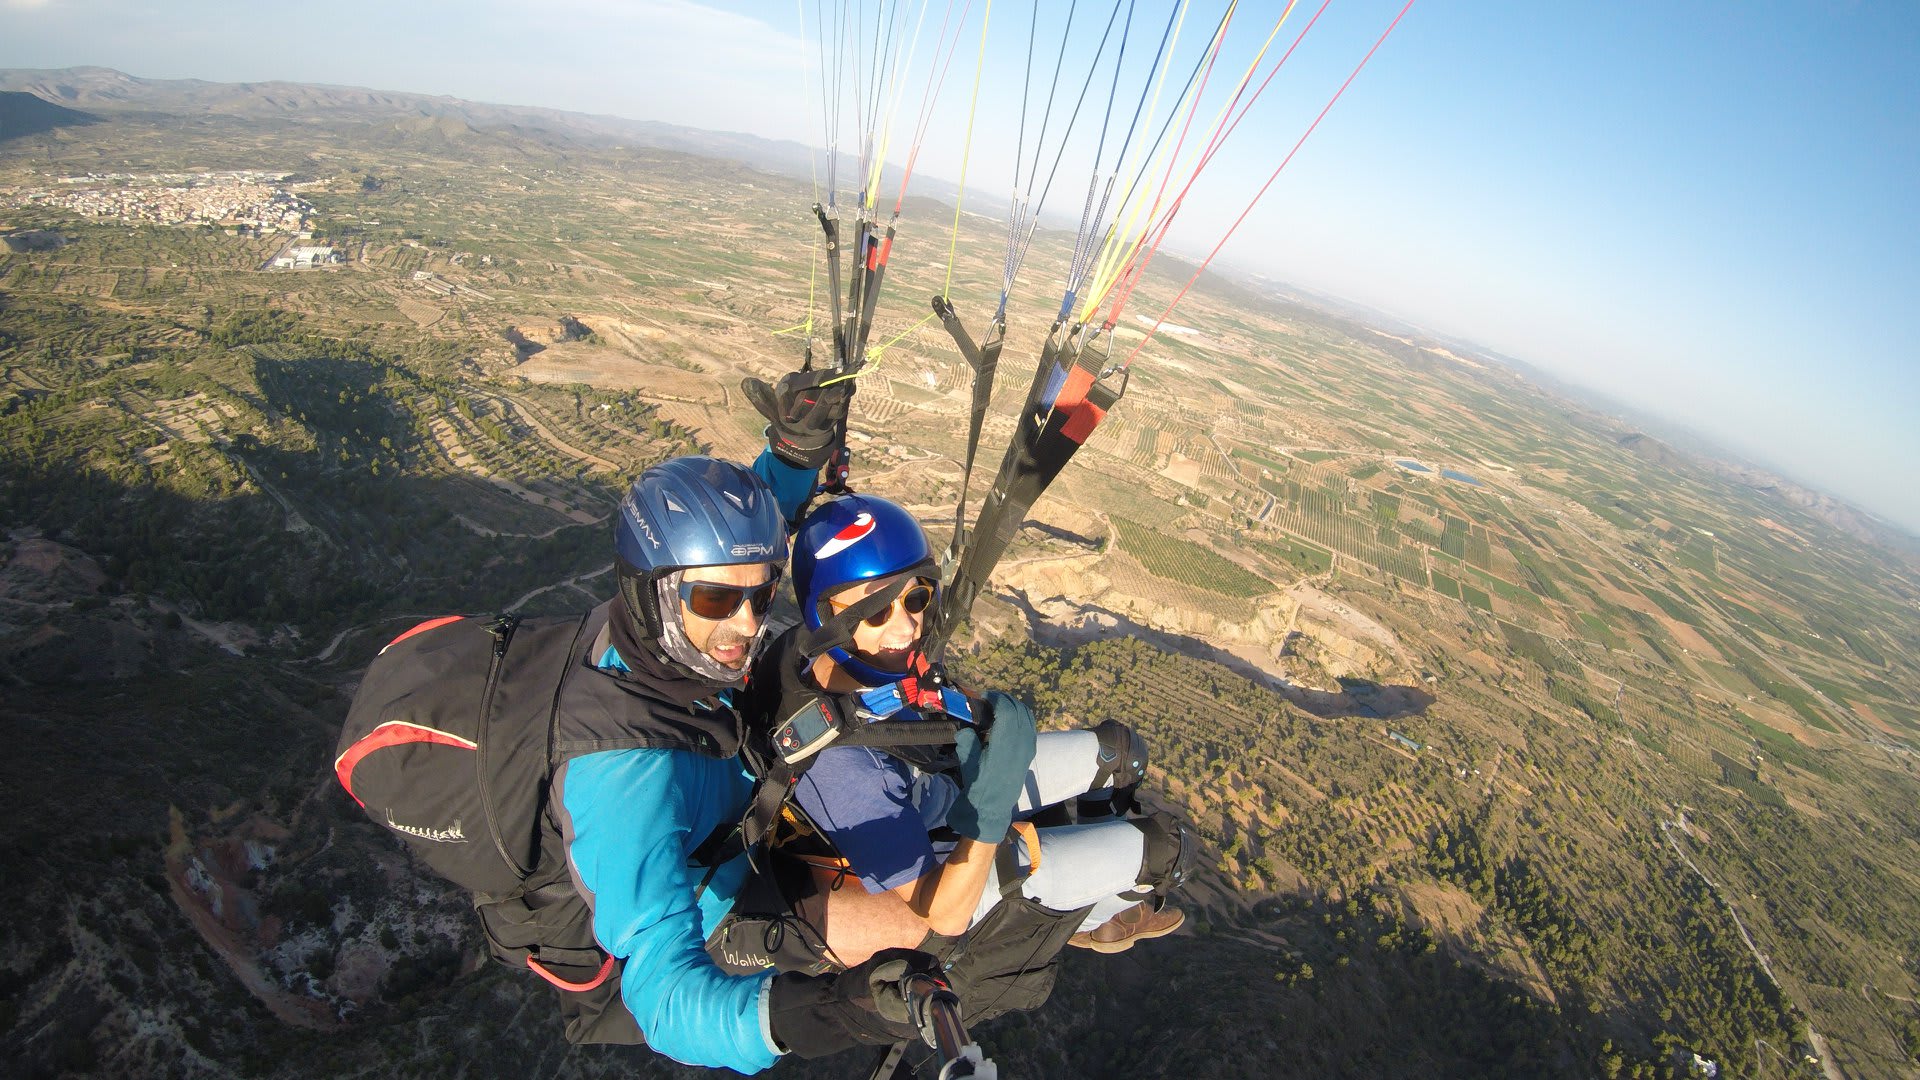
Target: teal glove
{"points": [[992, 772]]}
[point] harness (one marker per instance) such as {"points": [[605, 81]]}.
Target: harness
{"points": [[871, 718]]}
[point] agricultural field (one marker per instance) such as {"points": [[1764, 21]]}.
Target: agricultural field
{"points": [[1611, 747]]}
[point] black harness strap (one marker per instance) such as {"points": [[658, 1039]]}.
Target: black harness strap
{"points": [[985, 361], [726, 842], [1046, 438]]}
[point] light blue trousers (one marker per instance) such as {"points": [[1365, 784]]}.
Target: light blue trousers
{"points": [[1079, 864]]}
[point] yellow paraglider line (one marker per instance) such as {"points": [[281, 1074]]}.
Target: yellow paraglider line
{"points": [[1109, 250], [878, 353], [1115, 266], [966, 152]]}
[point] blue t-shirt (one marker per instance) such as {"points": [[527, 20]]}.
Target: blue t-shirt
{"points": [[877, 811]]}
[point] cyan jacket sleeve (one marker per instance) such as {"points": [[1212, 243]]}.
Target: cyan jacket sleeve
{"points": [[792, 486], [630, 818]]}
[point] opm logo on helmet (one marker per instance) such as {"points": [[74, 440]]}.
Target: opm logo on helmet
{"points": [[846, 537], [752, 549]]}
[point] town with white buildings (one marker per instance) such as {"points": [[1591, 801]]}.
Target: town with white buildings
{"points": [[247, 200]]}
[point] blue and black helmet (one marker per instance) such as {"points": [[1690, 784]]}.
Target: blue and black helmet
{"points": [[691, 511], [851, 539]]}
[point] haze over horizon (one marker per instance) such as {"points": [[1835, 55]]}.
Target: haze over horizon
{"points": [[1708, 216]]}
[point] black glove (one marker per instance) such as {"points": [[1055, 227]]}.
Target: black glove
{"points": [[805, 420], [817, 1015]]}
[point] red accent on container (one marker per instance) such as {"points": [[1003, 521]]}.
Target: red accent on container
{"points": [[599, 977], [422, 628], [391, 733]]}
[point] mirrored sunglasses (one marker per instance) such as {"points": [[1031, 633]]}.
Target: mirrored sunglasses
{"points": [[915, 599], [715, 602]]}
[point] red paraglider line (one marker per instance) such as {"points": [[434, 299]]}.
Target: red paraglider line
{"points": [[1263, 187], [1137, 267]]}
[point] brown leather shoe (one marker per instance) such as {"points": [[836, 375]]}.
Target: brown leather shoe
{"points": [[1137, 923]]}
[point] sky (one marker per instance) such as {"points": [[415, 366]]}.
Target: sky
{"points": [[1708, 211]]}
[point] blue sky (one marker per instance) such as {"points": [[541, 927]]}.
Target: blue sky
{"points": [[1710, 211]]}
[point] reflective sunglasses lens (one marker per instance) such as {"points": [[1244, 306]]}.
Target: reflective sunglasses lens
{"points": [[716, 602], [761, 598], [916, 599]]}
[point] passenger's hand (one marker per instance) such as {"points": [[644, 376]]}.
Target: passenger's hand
{"points": [[805, 420], [992, 770]]}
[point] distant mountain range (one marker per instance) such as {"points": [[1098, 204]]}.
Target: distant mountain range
{"points": [[38, 100], [107, 91]]}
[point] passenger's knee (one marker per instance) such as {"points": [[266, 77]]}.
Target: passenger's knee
{"points": [[1122, 759], [1168, 855]]}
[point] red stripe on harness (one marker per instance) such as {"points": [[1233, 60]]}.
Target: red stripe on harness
{"points": [[599, 977], [391, 733], [422, 628], [1082, 415]]}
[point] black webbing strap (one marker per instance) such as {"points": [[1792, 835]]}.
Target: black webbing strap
{"points": [[763, 809], [1040, 448], [1006, 865], [837, 631], [957, 600], [884, 733], [985, 361], [830, 236], [875, 261]]}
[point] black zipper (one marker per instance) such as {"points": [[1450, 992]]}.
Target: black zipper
{"points": [[501, 630]]}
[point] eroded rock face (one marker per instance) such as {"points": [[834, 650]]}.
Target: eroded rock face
{"points": [[1301, 638]]}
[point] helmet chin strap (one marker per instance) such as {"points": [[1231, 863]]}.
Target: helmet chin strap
{"points": [[837, 632], [679, 647]]}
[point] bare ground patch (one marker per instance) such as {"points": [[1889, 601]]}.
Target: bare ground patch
{"points": [[610, 368]]}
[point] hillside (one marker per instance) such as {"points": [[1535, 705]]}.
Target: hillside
{"points": [[1520, 748]]}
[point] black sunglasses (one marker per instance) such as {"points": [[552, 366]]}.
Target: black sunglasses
{"points": [[915, 600], [717, 603]]}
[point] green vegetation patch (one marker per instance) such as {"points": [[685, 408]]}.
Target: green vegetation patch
{"points": [[1748, 618], [1507, 590], [1601, 631], [1758, 672], [1854, 639], [1784, 746], [1445, 585], [1615, 509], [1188, 563], [1315, 457], [1698, 554], [1267, 463], [1307, 558], [1902, 716], [1841, 695], [1540, 581], [1532, 646], [1670, 604], [1475, 597]]}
